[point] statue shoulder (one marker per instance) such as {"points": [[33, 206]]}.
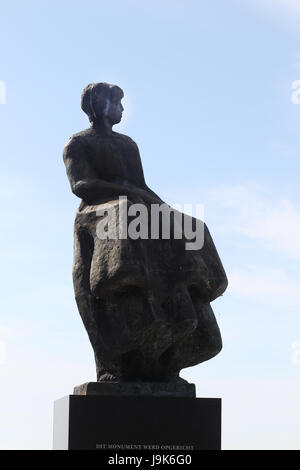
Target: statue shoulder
{"points": [[124, 137], [77, 143], [81, 137]]}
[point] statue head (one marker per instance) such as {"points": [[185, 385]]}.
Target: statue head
{"points": [[102, 100]]}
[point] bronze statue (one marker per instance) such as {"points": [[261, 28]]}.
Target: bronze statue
{"points": [[145, 303]]}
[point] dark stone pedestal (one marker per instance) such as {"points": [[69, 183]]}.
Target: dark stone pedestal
{"points": [[137, 423], [181, 389]]}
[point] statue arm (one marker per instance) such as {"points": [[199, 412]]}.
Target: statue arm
{"points": [[144, 190], [83, 180]]}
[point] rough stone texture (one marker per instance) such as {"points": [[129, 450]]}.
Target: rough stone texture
{"points": [[144, 303], [151, 389]]}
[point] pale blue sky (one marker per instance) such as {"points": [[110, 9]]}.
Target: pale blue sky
{"points": [[208, 100]]}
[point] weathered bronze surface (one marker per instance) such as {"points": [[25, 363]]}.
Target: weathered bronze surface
{"points": [[145, 303]]}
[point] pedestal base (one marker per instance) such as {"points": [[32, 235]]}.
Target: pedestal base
{"points": [[138, 389], [86, 422]]}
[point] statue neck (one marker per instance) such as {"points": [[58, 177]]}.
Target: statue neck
{"points": [[102, 126]]}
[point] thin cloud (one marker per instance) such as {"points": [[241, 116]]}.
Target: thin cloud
{"points": [[292, 6], [244, 211], [5, 333], [267, 286], [281, 12]]}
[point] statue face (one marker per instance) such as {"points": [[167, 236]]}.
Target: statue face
{"points": [[113, 111]]}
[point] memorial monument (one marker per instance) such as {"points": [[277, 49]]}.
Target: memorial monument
{"points": [[143, 292]]}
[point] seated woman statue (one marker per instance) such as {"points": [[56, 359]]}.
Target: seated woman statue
{"points": [[145, 303]]}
